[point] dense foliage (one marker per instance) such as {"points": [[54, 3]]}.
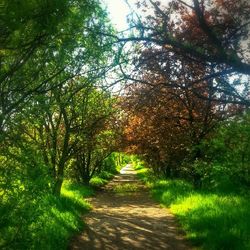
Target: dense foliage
{"points": [[54, 115], [182, 136], [226, 155]]}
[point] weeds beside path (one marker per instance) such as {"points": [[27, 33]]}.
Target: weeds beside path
{"points": [[125, 217]]}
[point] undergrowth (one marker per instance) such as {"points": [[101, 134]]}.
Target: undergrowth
{"points": [[101, 179], [57, 219], [36, 219]]}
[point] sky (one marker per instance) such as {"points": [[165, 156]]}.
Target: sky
{"points": [[118, 11]]}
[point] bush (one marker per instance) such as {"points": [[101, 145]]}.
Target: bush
{"points": [[226, 161], [106, 175]]}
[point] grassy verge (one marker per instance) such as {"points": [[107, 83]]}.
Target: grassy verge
{"points": [[31, 217], [211, 220], [46, 222], [62, 216]]}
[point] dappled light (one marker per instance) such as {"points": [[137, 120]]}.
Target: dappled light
{"points": [[124, 124], [129, 221]]}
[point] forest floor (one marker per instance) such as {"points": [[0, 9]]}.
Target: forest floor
{"points": [[124, 216]]}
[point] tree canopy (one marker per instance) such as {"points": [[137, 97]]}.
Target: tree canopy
{"points": [[192, 43]]}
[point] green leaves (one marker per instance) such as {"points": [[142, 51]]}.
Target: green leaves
{"points": [[227, 153], [53, 54]]}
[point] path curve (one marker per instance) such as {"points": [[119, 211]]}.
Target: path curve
{"points": [[128, 220]]}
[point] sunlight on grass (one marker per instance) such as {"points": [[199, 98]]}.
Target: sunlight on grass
{"points": [[98, 182], [63, 216], [46, 221], [124, 188], [145, 175], [211, 220], [56, 220], [215, 221]]}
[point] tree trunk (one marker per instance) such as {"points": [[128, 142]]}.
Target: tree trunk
{"points": [[86, 180], [197, 180], [58, 186]]}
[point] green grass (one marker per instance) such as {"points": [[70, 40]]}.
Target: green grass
{"points": [[32, 218], [101, 179], [97, 182], [124, 188], [106, 175], [212, 220], [55, 220], [63, 217]]}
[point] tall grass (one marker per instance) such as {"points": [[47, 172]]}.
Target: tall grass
{"points": [[212, 220]]}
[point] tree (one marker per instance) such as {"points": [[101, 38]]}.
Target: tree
{"points": [[211, 35], [94, 133], [44, 46], [167, 125], [69, 125], [49, 52], [226, 154], [41, 41]]}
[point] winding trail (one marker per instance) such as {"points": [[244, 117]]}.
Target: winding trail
{"points": [[124, 216]]}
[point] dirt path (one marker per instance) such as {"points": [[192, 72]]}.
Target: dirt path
{"points": [[125, 217]]}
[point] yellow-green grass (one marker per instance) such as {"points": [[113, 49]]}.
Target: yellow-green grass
{"points": [[100, 180], [97, 182], [124, 188]]}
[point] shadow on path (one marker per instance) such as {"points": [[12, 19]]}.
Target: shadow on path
{"points": [[128, 219]]}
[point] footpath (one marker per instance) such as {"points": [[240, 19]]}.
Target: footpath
{"points": [[125, 217]]}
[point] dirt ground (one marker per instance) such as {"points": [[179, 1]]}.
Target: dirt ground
{"points": [[124, 216]]}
